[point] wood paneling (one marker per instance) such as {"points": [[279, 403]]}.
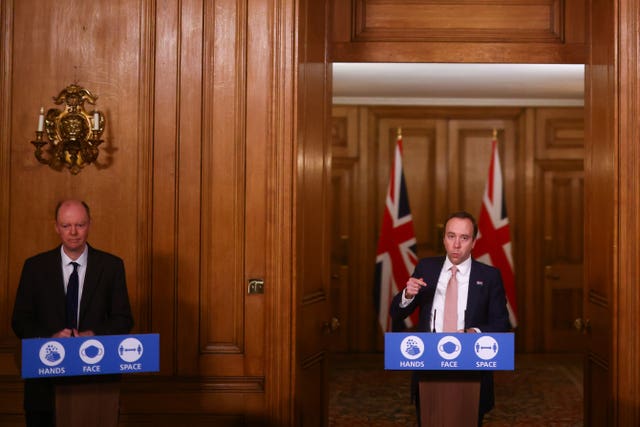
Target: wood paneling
{"points": [[602, 280], [560, 133], [542, 31], [469, 157], [423, 145], [556, 234], [611, 255], [155, 67], [627, 316], [312, 219], [7, 342], [467, 20], [45, 65], [211, 174], [342, 273], [560, 199]]}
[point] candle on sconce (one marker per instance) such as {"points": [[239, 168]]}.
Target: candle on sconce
{"points": [[41, 120], [96, 121]]}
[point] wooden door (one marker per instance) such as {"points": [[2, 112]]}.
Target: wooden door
{"points": [[561, 221], [344, 235], [601, 217], [341, 215], [313, 320], [557, 236]]}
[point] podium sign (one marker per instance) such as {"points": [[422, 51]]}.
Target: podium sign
{"points": [[449, 351], [97, 355]]}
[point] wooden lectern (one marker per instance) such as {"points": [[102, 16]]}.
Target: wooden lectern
{"points": [[449, 399], [87, 402], [449, 371], [86, 373]]}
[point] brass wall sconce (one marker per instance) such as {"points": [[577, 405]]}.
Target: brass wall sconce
{"points": [[73, 134]]}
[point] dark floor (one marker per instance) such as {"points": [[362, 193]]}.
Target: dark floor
{"points": [[544, 390]]}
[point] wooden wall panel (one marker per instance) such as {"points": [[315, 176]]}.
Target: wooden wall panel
{"points": [[626, 315], [469, 145], [7, 340], [560, 132], [424, 145], [40, 71], [410, 21], [314, 320], [542, 31], [221, 293], [602, 217], [194, 188], [164, 268]]}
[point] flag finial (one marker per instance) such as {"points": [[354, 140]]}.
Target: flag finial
{"points": [[399, 132], [495, 133]]}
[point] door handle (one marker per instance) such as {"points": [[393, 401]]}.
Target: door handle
{"points": [[582, 325], [549, 274], [331, 326]]}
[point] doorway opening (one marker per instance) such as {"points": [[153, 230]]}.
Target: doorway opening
{"points": [[446, 112]]}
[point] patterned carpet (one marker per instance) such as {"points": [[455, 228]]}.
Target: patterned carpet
{"points": [[544, 390]]}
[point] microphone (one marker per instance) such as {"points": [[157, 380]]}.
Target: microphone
{"points": [[465, 321], [433, 322]]}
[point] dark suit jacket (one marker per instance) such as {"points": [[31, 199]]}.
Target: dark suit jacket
{"points": [[40, 306], [486, 309]]}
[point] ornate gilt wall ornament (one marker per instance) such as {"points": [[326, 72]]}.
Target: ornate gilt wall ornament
{"points": [[73, 134]]}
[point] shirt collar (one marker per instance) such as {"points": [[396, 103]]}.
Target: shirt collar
{"points": [[463, 268], [82, 259]]}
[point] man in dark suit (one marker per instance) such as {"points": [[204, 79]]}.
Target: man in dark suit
{"points": [[100, 305], [478, 304]]}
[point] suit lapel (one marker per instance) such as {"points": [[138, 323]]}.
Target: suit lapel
{"points": [[54, 272], [90, 280], [434, 274], [472, 292]]}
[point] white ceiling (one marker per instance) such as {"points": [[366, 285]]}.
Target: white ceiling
{"points": [[458, 84]]}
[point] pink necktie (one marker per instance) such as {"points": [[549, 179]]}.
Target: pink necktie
{"points": [[451, 303]]}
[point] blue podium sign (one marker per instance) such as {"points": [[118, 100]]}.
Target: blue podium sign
{"points": [[449, 351], [97, 355]]}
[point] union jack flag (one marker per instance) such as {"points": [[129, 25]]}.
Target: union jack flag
{"points": [[493, 245], [396, 255]]}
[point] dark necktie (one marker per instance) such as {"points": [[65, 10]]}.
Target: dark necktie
{"points": [[72, 298]]}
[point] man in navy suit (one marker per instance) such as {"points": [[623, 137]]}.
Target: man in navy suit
{"points": [[40, 310], [480, 301]]}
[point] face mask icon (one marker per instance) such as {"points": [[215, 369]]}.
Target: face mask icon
{"points": [[449, 347], [91, 351]]}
